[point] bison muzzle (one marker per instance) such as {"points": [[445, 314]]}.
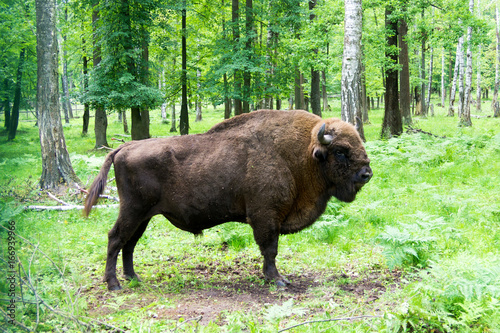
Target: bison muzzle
{"points": [[274, 170]]}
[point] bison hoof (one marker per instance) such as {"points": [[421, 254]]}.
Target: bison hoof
{"points": [[114, 288], [281, 282], [131, 277]]}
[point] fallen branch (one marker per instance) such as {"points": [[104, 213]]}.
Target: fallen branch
{"points": [[69, 207], [105, 148], [15, 322], [115, 139], [57, 199], [479, 117], [327, 320], [104, 196], [410, 130]]}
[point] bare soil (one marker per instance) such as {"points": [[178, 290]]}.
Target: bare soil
{"points": [[237, 292]]}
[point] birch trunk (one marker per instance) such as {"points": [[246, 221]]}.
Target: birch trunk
{"points": [[443, 88], [465, 116], [351, 63], [456, 74], [497, 81], [429, 86]]}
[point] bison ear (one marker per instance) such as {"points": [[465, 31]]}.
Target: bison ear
{"points": [[320, 153]]}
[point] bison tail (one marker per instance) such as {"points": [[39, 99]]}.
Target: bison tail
{"points": [[99, 183]]}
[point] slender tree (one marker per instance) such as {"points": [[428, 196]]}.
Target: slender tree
{"points": [[184, 118], [494, 104], [101, 119], [392, 123], [235, 20], [315, 74], [465, 119], [56, 164], [404, 75], [247, 75], [14, 120], [456, 77]]}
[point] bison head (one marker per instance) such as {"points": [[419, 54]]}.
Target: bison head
{"points": [[342, 159]]}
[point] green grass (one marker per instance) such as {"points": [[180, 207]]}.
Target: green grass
{"points": [[418, 248]]}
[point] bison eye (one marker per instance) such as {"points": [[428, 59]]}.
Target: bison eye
{"points": [[340, 156]]}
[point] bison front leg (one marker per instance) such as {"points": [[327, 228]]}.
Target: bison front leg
{"points": [[266, 236]]}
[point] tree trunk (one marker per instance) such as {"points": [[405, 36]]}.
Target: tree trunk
{"points": [[350, 98], [184, 118], [140, 123], [497, 77], [235, 19], [324, 94], [392, 123], [198, 96], [443, 89], [423, 107], [86, 106], [247, 76], [56, 165], [14, 120], [227, 100], [315, 74], [478, 77], [6, 103], [465, 119], [404, 74], [456, 76], [101, 120], [461, 72], [429, 86]]}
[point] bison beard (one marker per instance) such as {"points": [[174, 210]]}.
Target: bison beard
{"points": [[275, 170]]}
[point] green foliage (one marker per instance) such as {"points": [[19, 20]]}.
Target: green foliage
{"points": [[411, 244], [456, 294], [277, 312]]}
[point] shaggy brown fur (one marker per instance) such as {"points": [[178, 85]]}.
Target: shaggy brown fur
{"points": [[266, 168]]}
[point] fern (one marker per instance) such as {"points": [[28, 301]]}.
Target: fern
{"points": [[277, 312], [411, 244]]}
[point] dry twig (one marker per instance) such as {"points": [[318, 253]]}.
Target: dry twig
{"points": [[327, 320]]}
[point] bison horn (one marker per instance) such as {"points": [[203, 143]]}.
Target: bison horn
{"points": [[322, 138]]}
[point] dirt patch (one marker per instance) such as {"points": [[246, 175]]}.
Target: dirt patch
{"points": [[236, 293]]}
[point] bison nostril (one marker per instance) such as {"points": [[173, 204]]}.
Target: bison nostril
{"points": [[365, 176]]}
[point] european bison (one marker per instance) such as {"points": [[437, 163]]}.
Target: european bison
{"points": [[275, 170]]}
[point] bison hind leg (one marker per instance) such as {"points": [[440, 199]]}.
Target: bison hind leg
{"points": [[123, 236], [128, 252]]}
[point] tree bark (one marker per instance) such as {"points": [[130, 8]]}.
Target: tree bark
{"points": [[86, 106], [429, 86], [324, 94], [465, 119], [235, 19], [404, 97], [497, 77], [443, 88], [184, 118], [247, 76], [315, 74], [198, 96], [6, 103], [392, 123], [56, 164], [101, 120], [14, 120], [456, 76], [350, 98]]}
